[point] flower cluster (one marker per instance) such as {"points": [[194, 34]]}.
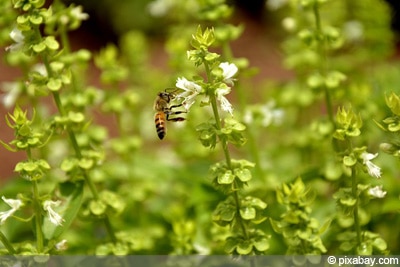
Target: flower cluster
{"points": [[192, 89]]}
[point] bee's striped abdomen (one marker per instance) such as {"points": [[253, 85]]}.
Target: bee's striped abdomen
{"points": [[160, 124]]}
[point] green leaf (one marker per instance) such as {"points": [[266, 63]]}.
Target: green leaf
{"points": [[244, 247], [227, 215], [230, 244], [226, 178], [380, 244], [54, 84], [51, 43], [71, 195], [324, 227], [258, 203], [97, 207], [36, 19], [76, 117], [86, 163], [394, 127], [69, 164], [393, 102], [244, 175], [364, 249], [248, 213], [349, 160], [40, 47], [276, 226], [262, 244], [334, 79], [7, 146], [315, 81], [113, 200]]}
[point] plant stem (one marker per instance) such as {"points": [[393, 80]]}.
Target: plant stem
{"points": [[7, 243], [225, 149], [322, 53], [77, 150], [38, 217], [354, 192]]}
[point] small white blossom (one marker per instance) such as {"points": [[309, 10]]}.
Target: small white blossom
{"points": [[276, 4], [77, 13], [353, 30], [228, 71], [377, 192], [41, 69], [372, 169], [12, 91], [62, 245], [265, 114], [18, 38], [159, 8], [289, 24], [15, 204], [190, 91], [54, 217], [225, 104]]}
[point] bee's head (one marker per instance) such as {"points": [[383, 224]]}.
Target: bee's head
{"points": [[166, 96]]}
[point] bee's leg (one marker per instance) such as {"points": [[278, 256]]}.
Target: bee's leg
{"points": [[176, 106], [172, 113]]}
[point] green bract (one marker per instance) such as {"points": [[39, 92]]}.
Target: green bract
{"points": [[348, 124]]}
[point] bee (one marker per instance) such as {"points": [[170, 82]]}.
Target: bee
{"points": [[164, 112]]}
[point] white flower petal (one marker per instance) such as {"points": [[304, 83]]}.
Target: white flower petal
{"points": [[54, 217], [17, 35], [78, 14], [377, 192], [225, 104], [15, 204], [62, 245], [12, 90], [373, 170], [190, 91], [228, 71], [18, 38]]}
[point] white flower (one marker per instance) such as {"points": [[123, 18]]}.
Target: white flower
{"points": [[62, 245], [159, 8], [353, 30], [265, 114], [372, 169], [18, 38], [54, 217], [225, 104], [190, 91], [276, 4], [77, 13], [228, 71], [41, 69], [289, 24], [15, 204], [377, 192], [12, 91]]}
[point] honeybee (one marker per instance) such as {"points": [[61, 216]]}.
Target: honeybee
{"points": [[164, 111]]}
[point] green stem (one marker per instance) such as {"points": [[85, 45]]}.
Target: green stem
{"points": [[7, 243], [322, 52], [77, 150], [225, 149], [242, 97], [354, 191], [38, 217]]}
